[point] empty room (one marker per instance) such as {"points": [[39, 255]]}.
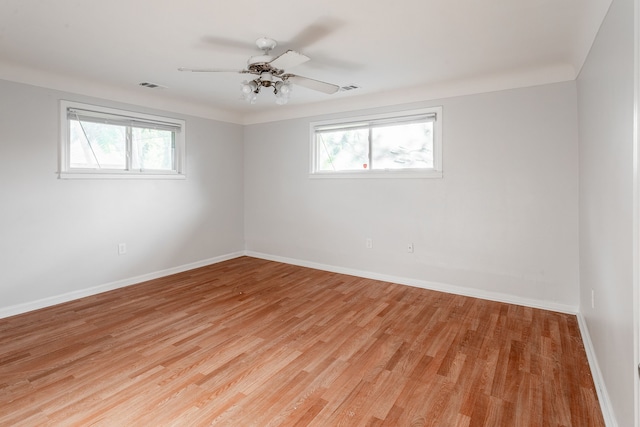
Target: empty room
{"points": [[319, 213]]}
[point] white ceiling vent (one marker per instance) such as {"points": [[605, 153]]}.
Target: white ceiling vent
{"points": [[151, 85]]}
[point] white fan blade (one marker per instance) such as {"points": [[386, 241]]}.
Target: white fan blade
{"points": [[312, 84], [289, 59], [318, 30], [211, 70]]}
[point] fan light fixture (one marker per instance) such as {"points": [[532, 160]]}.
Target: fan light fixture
{"points": [[281, 88]]}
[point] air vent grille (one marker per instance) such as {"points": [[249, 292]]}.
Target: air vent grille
{"points": [[151, 85]]}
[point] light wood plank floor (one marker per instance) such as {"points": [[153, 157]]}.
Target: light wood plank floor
{"points": [[250, 342]]}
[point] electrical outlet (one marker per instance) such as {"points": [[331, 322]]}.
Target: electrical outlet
{"points": [[122, 248], [410, 248], [369, 243]]}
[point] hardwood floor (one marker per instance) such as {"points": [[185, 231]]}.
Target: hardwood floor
{"points": [[250, 342]]}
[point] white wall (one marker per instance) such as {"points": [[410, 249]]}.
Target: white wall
{"points": [[61, 236], [605, 102], [503, 219]]}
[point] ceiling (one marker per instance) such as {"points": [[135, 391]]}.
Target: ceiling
{"points": [[400, 51]]}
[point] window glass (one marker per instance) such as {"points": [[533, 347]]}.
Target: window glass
{"points": [[341, 150], [97, 145], [403, 146], [152, 149]]}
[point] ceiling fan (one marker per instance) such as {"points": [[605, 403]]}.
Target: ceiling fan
{"points": [[270, 72]]}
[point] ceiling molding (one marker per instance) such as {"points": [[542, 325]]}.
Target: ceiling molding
{"points": [[135, 94], [160, 100], [449, 89]]}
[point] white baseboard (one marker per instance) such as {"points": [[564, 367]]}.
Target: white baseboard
{"points": [[442, 287], [70, 296], [598, 380], [435, 286]]}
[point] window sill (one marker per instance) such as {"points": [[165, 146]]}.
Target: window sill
{"points": [[115, 175], [387, 174]]}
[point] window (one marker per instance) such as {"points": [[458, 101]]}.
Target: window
{"points": [[99, 142], [404, 144]]}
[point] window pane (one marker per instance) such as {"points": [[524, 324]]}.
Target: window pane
{"points": [[342, 150], [403, 146], [97, 145], [152, 149]]}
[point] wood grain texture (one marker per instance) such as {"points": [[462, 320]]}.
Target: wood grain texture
{"points": [[249, 342]]}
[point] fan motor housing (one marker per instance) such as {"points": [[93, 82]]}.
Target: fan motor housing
{"points": [[260, 64]]}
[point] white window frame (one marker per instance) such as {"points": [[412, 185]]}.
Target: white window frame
{"points": [[66, 172], [435, 172]]}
